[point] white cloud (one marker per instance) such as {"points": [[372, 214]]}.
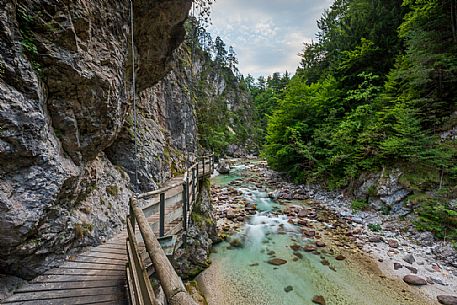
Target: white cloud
{"points": [[267, 35]]}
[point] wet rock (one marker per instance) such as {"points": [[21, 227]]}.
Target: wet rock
{"points": [[340, 257], [309, 248], [223, 167], [298, 255], [236, 243], [320, 244], [295, 247], [277, 261], [309, 233], [318, 299], [288, 289], [409, 258], [414, 280], [447, 299]]}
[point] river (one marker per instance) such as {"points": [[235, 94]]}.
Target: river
{"points": [[244, 276]]}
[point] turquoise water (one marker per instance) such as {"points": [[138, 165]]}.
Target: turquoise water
{"points": [[243, 276]]}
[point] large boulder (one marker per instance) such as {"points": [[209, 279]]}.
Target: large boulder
{"points": [[223, 167]]}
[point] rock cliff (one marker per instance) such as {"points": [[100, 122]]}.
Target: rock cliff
{"points": [[66, 122]]}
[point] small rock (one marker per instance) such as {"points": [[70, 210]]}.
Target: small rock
{"points": [[397, 266], [236, 243], [393, 243], [309, 248], [288, 288], [277, 261], [318, 299], [320, 244], [325, 262], [409, 258], [295, 247], [414, 280], [447, 299], [340, 258], [375, 239], [412, 269]]}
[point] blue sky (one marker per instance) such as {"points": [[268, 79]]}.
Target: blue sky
{"points": [[267, 35]]}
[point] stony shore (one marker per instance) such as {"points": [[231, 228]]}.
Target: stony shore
{"points": [[384, 243]]}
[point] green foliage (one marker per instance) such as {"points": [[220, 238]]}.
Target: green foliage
{"points": [[359, 204], [374, 227], [358, 103], [438, 218], [224, 118], [376, 90]]}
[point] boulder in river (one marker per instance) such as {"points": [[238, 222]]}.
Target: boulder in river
{"points": [[414, 280], [277, 261], [223, 167], [447, 299], [288, 288]]}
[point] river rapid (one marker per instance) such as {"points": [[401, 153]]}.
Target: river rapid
{"points": [[269, 261]]}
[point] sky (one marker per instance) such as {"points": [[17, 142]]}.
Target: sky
{"points": [[267, 35]]}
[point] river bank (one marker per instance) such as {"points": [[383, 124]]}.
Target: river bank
{"points": [[373, 261]]}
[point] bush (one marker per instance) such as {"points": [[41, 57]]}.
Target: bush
{"points": [[374, 227], [359, 204]]}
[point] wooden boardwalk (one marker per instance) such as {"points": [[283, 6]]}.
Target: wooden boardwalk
{"points": [[98, 276], [93, 277]]}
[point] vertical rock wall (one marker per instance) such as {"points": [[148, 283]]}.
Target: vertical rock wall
{"points": [[64, 100]]}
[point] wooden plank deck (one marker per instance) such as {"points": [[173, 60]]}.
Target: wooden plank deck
{"points": [[94, 277], [98, 276]]}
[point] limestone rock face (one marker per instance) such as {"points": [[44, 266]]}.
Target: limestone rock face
{"points": [[166, 130], [65, 97], [193, 257]]}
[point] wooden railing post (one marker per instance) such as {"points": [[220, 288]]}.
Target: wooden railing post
{"points": [[162, 215], [184, 207], [203, 163], [131, 215], [193, 184]]}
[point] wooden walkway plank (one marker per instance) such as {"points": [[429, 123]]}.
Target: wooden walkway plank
{"points": [[99, 260], [92, 266], [63, 271], [113, 256], [72, 278], [119, 283], [115, 292], [78, 300]]}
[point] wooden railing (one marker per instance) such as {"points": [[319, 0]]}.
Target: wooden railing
{"points": [[166, 211]]}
